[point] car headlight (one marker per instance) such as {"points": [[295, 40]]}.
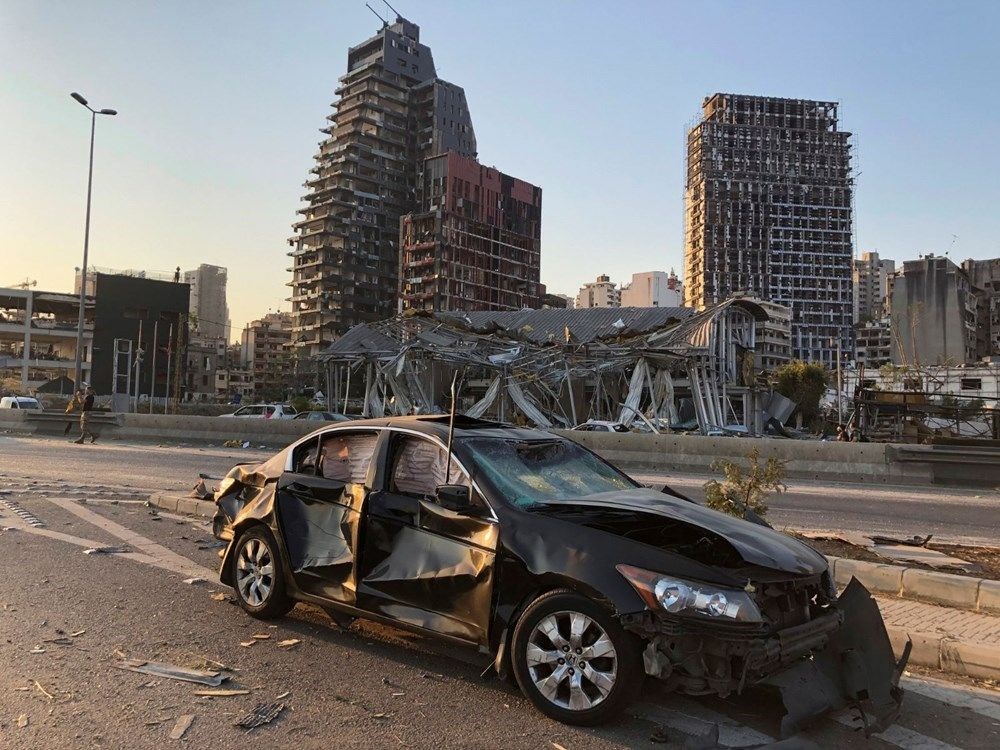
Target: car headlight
{"points": [[679, 596]]}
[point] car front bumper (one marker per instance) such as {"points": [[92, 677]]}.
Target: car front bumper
{"points": [[842, 658]]}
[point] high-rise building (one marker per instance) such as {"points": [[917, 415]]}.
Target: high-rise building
{"points": [[474, 241], [871, 286], [208, 302], [934, 311], [600, 293], [266, 356], [984, 275], [393, 112], [653, 289], [768, 212]]}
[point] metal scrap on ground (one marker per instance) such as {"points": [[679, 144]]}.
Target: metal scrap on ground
{"points": [[898, 550], [111, 550], [265, 713], [173, 672]]}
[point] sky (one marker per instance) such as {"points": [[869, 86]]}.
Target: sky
{"points": [[220, 106]]}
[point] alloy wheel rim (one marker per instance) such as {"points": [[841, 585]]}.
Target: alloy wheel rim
{"points": [[255, 572], [571, 660]]}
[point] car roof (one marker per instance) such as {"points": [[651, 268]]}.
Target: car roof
{"points": [[436, 425]]}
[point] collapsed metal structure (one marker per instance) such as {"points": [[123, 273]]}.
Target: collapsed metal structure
{"points": [[550, 368]]}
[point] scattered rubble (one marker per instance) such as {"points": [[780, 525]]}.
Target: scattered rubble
{"points": [[113, 550], [181, 726]]}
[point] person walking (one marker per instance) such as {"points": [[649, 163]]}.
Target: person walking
{"points": [[74, 405], [85, 409]]}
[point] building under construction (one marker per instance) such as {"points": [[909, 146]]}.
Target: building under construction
{"points": [[474, 242], [768, 212]]}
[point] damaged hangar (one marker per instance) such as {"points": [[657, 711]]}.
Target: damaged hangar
{"points": [[558, 367]]}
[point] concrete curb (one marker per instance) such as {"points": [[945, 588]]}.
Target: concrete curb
{"points": [[947, 654], [189, 505], [948, 589]]}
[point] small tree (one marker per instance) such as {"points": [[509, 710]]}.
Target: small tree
{"points": [[745, 487], [804, 383]]}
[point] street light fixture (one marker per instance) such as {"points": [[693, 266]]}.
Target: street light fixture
{"points": [[86, 235]]}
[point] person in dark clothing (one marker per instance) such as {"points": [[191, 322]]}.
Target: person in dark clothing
{"points": [[85, 408]]}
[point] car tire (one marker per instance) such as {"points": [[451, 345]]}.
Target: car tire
{"points": [[258, 575], [574, 661]]}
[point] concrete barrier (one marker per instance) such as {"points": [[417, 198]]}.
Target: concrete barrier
{"points": [[804, 459]]}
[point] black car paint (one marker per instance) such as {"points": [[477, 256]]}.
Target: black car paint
{"points": [[466, 576]]}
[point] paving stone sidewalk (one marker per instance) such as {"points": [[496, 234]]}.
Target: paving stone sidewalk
{"points": [[945, 621]]}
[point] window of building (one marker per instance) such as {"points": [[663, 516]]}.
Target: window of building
{"points": [[972, 384]]}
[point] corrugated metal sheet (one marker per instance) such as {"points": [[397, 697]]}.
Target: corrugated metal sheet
{"points": [[585, 325]]}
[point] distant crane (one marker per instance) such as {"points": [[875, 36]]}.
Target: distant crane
{"points": [[26, 284]]}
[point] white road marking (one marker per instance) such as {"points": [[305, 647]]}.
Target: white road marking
{"points": [[696, 720], [901, 737], [148, 552], [983, 702]]}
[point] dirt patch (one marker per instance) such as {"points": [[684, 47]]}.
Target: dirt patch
{"points": [[987, 558]]}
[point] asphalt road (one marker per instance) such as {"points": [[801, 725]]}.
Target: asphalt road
{"points": [[367, 686], [961, 516]]}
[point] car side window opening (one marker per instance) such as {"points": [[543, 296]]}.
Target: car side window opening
{"points": [[419, 467], [527, 473], [346, 458], [304, 458]]}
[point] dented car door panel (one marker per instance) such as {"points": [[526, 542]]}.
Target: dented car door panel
{"points": [[320, 520]]}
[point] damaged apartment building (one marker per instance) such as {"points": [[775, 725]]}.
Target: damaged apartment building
{"points": [[392, 115], [768, 212]]}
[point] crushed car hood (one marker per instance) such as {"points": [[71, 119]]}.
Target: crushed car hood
{"points": [[636, 509]]}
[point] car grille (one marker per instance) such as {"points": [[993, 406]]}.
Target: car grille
{"points": [[786, 604]]}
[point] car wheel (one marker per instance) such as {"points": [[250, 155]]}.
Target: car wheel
{"points": [[574, 661], [258, 577]]}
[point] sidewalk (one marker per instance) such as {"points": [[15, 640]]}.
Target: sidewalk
{"points": [[952, 640]]}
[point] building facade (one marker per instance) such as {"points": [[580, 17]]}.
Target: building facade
{"points": [[653, 289], [139, 319], [266, 354], [934, 314], [474, 242], [871, 277], [38, 332], [209, 309], [984, 276], [205, 358], [392, 112], [873, 342], [768, 212], [602, 292]]}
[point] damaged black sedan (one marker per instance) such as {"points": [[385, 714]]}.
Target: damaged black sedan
{"points": [[575, 580]]}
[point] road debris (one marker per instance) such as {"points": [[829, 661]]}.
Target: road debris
{"points": [[283, 695], [37, 650], [22, 721], [60, 641], [247, 644], [173, 672], [261, 636], [289, 643], [114, 550], [659, 736], [265, 713], [219, 596], [223, 693], [181, 726], [43, 691], [556, 745], [193, 581], [77, 634], [211, 545], [200, 491]]}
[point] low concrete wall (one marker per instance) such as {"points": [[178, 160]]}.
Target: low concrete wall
{"points": [[805, 459]]}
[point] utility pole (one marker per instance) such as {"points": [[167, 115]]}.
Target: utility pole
{"points": [[152, 372]]}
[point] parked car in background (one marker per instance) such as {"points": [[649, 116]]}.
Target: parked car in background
{"points": [[20, 402], [322, 416], [576, 580], [598, 425], [263, 411]]}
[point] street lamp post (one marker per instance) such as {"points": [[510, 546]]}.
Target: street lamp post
{"points": [[86, 235]]}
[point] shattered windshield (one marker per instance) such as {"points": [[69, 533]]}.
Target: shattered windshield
{"points": [[535, 472]]}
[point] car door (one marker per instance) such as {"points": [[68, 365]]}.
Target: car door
{"points": [[421, 563], [319, 505]]}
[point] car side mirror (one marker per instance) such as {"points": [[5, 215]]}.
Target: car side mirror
{"points": [[454, 497]]}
